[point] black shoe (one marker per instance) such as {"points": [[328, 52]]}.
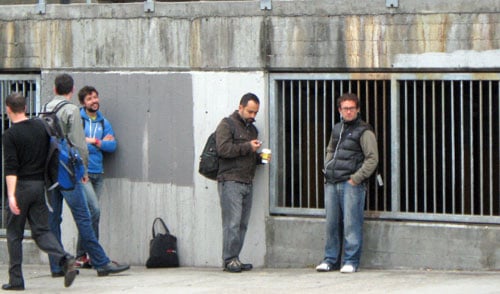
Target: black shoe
{"points": [[61, 274], [69, 271], [12, 287], [246, 266], [234, 266], [112, 268]]}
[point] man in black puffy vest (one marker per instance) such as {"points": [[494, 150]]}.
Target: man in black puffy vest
{"points": [[352, 157]]}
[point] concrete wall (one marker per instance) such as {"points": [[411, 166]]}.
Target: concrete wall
{"points": [[167, 78], [161, 131], [299, 242]]}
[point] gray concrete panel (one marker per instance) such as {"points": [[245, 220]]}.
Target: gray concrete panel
{"points": [[151, 115]]}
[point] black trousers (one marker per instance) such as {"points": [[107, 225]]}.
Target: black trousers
{"points": [[31, 201]]}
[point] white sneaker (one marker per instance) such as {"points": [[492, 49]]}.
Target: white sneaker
{"points": [[324, 267], [347, 269]]}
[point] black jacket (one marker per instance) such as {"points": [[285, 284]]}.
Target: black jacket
{"points": [[237, 159], [348, 155]]}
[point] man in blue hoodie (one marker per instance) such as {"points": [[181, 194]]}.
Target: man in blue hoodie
{"points": [[100, 138]]}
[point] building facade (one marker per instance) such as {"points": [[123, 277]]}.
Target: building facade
{"points": [[427, 74]]}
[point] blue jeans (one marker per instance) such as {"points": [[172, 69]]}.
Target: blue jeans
{"points": [[236, 203], [92, 191], [78, 205], [344, 205]]}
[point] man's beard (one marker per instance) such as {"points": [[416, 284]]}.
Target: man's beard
{"points": [[92, 110]]}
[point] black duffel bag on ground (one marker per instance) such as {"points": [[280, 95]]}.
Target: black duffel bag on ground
{"points": [[162, 248]]}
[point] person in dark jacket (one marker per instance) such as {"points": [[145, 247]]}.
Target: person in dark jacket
{"points": [[100, 137], [237, 146], [352, 157], [26, 147]]}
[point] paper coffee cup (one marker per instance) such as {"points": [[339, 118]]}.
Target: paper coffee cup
{"points": [[265, 155]]}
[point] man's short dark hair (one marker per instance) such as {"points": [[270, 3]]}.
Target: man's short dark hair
{"points": [[16, 102], [249, 97], [64, 84], [86, 91], [348, 97]]}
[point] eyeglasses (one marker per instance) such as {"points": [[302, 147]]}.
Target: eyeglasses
{"points": [[346, 109]]}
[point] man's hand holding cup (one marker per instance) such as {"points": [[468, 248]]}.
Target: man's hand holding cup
{"points": [[265, 155]]}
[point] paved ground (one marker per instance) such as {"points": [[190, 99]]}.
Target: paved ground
{"points": [[214, 280]]}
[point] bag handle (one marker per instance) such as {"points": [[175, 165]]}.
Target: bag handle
{"points": [[160, 220]]}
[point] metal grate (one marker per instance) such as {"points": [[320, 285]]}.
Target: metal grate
{"points": [[29, 85], [450, 143], [304, 113], [438, 138]]}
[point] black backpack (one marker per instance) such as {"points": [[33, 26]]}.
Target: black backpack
{"points": [[64, 165], [209, 159]]}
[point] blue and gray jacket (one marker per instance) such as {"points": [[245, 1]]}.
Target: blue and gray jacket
{"points": [[98, 128]]}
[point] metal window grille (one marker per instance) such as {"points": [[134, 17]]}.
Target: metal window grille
{"points": [[29, 85], [438, 137]]}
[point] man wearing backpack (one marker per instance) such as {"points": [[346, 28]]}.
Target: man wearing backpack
{"points": [[237, 147], [100, 138], [26, 146], [71, 124]]}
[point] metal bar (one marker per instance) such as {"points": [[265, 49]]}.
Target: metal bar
{"points": [[274, 138], [308, 145], [434, 218], [424, 155], [384, 142], [406, 145], [462, 157], [283, 134], [414, 148], [342, 88], [316, 143], [443, 146], [375, 127], [471, 146], [452, 163], [399, 216], [395, 115], [367, 98], [326, 124], [434, 148], [481, 148], [301, 153], [490, 147], [292, 139]]}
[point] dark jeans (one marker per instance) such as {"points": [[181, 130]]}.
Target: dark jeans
{"points": [[78, 205], [31, 201], [92, 191], [236, 204]]}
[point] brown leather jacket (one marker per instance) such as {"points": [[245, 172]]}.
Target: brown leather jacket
{"points": [[237, 161]]}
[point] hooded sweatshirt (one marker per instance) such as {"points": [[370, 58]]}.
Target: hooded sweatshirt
{"points": [[98, 128]]}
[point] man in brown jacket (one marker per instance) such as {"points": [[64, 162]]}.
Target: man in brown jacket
{"points": [[237, 147]]}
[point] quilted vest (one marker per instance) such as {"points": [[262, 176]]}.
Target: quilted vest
{"points": [[349, 156]]}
